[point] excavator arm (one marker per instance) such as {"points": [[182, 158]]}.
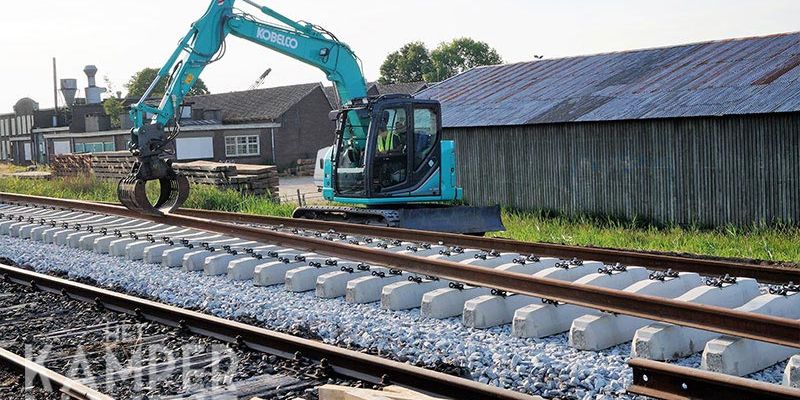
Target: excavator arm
{"points": [[154, 128]]}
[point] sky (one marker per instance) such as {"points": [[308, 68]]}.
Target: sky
{"points": [[122, 37]]}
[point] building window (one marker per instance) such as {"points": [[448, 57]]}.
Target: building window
{"points": [[97, 147], [238, 146]]}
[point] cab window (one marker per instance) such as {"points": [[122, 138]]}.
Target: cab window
{"points": [[425, 130]]}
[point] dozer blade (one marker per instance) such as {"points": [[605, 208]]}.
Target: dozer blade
{"points": [[457, 219], [132, 193]]}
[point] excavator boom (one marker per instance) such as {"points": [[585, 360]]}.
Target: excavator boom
{"points": [[155, 128]]}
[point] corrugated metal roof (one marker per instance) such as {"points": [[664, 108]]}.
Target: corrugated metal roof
{"points": [[728, 77]]}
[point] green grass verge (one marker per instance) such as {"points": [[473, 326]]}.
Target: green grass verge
{"points": [[84, 188], [774, 243]]}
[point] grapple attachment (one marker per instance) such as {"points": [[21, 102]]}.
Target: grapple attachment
{"points": [[132, 191]]}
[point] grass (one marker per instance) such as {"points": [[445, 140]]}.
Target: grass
{"points": [[84, 188], [762, 242], [6, 169]]}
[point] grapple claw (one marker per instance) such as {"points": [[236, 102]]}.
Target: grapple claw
{"points": [[132, 194]]}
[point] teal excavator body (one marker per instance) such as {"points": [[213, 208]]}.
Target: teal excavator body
{"points": [[388, 155]]}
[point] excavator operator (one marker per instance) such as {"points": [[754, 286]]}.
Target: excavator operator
{"points": [[391, 148]]}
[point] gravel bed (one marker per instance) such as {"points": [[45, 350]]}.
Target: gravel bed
{"points": [[12, 387], [81, 342], [547, 367]]}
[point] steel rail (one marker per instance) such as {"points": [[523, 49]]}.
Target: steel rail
{"points": [[708, 267], [348, 363], [782, 331], [50, 380], [771, 274], [672, 382]]}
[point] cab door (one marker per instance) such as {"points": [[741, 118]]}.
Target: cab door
{"points": [[426, 149], [405, 150], [390, 150]]}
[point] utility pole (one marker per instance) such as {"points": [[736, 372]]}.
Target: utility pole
{"points": [[55, 94]]}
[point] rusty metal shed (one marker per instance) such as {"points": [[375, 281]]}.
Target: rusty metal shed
{"points": [[703, 133]]}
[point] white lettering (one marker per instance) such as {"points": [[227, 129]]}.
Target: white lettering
{"points": [[277, 38]]}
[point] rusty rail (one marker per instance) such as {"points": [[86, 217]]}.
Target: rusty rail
{"points": [[348, 363], [771, 274], [782, 331], [50, 380], [672, 382]]}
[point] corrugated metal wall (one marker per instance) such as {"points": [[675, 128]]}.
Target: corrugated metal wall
{"points": [[711, 171]]}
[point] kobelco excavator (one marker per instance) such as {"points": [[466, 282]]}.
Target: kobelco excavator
{"points": [[388, 154]]}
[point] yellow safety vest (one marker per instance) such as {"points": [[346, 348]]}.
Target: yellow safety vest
{"points": [[386, 143]]}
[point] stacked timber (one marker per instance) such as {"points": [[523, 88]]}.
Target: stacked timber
{"points": [[259, 180], [305, 167], [113, 165], [71, 164]]}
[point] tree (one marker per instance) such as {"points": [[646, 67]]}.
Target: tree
{"points": [[409, 64], [141, 80], [459, 55], [114, 108]]}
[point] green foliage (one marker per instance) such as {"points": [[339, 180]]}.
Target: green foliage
{"points": [[141, 80], [409, 64], [453, 58], [415, 63], [114, 108]]}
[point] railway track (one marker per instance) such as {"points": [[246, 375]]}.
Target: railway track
{"points": [[454, 275], [131, 347], [50, 331]]}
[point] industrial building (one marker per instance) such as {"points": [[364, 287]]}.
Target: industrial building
{"points": [[705, 133]]}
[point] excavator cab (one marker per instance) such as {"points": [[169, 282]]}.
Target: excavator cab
{"points": [[389, 156], [389, 152]]}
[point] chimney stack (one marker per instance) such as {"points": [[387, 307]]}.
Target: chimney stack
{"points": [[92, 91]]}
